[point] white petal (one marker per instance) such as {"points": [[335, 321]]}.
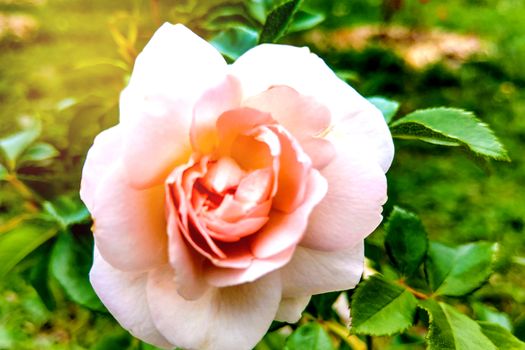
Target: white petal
{"points": [[290, 309], [106, 150], [129, 224], [234, 318], [315, 272], [271, 65], [175, 68], [124, 294], [352, 208], [175, 62]]}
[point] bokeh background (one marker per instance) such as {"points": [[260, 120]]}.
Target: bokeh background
{"points": [[64, 62]]}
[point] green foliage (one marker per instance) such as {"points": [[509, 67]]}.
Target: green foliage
{"points": [[459, 270], [381, 308], [39, 277], [322, 304], [13, 146], [38, 152], [233, 42], [311, 336], [19, 242], [66, 211], [304, 20], [485, 313], [388, 107], [272, 341], [450, 127], [406, 240], [501, 337], [456, 201], [278, 21], [119, 341], [3, 172], [451, 330], [71, 261]]}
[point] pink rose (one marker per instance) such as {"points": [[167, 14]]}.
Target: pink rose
{"points": [[229, 194]]}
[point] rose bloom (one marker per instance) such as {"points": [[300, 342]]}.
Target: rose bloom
{"points": [[228, 195]]}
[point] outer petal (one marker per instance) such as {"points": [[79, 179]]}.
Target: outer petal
{"points": [[233, 318], [224, 277], [270, 65], [106, 150], [124, 294], [315, 272], [352, 207], [156, 141], [130, 227], [175, 62], [175, 68], [290, 309]]}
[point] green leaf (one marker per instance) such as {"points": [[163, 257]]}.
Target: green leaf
{"points": [[278, 21], [322, 304], [66, 211], [450, 127], [501, 337], [272, 341], [490, 314], [38, 152], [310, 336], [3, 173], [19, 242], [304, 20], [71, 260], [460, 270], [233, 42], [14, 145], [39, 278], [387, 107], [406, 240], [381, 308], [121, 341], [451, 330]]}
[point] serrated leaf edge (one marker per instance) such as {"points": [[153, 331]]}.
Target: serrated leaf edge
{"points": [[361, 286], [504, 153]]}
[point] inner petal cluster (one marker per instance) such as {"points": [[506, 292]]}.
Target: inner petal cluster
{"points": [[225, 201]]}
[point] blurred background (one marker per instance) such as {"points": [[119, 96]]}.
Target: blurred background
{"points": [[63, 64]]}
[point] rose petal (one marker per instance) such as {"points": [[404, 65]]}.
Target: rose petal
{"points": [[285, 230], [294, 169], [232, 275], [291, 309], [301, 115], [156, 141], [226, 318], [124, 294], [210, 106], [184, 259], [129, 224], [315, 272], [177, 62], [237, 121], [352, 207], [105, 152], [175, 68], [270, 65]]}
